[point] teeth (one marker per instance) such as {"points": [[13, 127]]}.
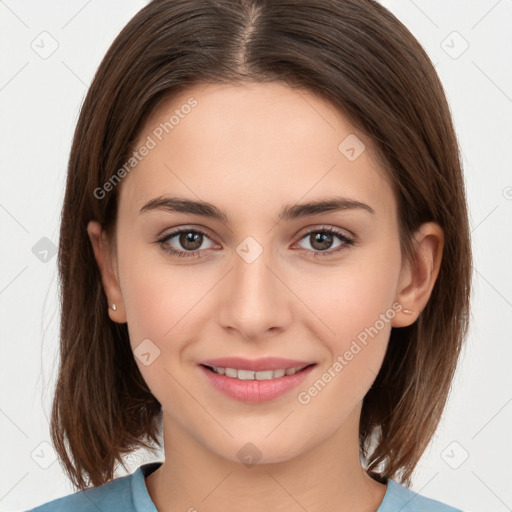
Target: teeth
{"points": [[251, 375], [231, 372]]}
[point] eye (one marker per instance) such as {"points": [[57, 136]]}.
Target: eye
{"points": [[322, 239], [189, 239]]}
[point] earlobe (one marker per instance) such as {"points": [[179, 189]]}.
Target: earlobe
{"points": [[420, 274], [106, 264]]}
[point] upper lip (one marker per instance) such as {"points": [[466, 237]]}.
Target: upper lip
{"points": [[255, 365]]}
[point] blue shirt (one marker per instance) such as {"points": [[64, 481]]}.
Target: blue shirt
{"points": [[129, 494]]}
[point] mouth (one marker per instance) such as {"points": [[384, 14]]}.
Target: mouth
{"points": [[242, 374], [253, 386]]}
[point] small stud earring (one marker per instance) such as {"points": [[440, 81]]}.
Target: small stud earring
{"points": [[114, 307], [408, 311]]}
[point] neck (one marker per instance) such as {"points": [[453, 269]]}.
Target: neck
{"points": [[327, 477]]}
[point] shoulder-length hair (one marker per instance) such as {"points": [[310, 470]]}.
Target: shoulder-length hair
{"points": [[359, 57]]}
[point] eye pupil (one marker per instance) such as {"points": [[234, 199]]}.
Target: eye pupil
{"points": [[324, 239], [192, 238]]}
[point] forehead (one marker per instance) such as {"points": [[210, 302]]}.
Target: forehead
{"points": [[253, 147]]}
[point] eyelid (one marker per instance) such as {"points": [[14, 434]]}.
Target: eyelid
{"points": [[346, 240], [305, 231], [326, 227], [190, 227]]}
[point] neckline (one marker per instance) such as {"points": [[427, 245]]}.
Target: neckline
{"points": [[140, 495], [142, 500]]}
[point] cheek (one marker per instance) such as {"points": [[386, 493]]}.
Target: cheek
{"points": [[157, 295], [352, 296], [361, 322], [159, 303], [356, 307]]}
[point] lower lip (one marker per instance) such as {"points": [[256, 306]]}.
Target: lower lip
{"points": [[255, 391]]}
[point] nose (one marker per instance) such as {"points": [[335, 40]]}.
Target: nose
{"points": [[255, 300]]}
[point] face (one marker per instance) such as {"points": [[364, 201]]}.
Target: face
{"points": [[315, 287]]}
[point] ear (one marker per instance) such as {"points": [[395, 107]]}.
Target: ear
{"points": [[418, 276], [105, 258]]}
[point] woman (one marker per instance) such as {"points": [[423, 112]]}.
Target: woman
{"points": [[264, 256]]}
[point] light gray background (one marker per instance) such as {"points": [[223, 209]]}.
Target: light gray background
{"points": [[40, 97]]}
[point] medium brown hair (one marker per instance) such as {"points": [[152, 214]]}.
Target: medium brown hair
{"points": [[359, 57]]}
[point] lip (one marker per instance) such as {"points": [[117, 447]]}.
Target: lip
{"points": [[255, 391], [256, 365]]}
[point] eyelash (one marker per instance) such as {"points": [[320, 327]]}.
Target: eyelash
{"points": [[347, 241]]}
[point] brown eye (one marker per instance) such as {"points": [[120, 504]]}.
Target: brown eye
{"points": [[321, 240], [190, 240], [187, 243]]}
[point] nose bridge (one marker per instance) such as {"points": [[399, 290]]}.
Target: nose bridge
{"points": [[255, 299], [254, 283]]}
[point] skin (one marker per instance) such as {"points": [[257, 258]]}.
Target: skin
{"points": [[251, 149]]}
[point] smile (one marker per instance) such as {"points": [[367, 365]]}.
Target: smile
{"points": [[255, 386], [253, 375]]}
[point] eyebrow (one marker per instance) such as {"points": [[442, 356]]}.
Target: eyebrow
{"points": [[289, 212]]}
